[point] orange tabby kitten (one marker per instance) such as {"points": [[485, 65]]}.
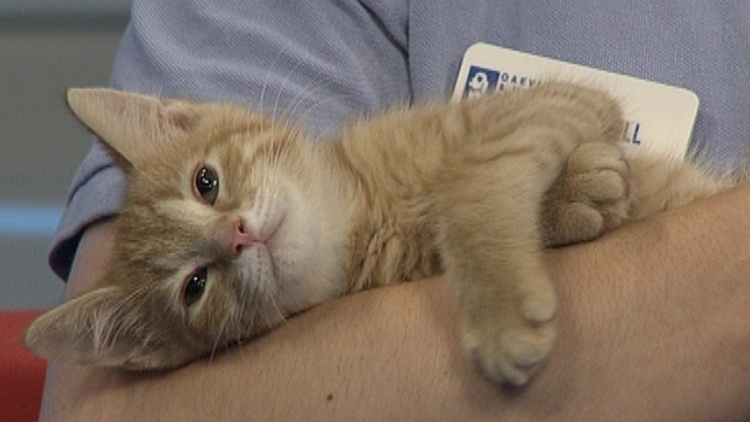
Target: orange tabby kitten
{"points": [[232, 222]]}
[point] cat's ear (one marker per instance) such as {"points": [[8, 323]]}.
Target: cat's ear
{"points": [[102, 327], [134, 125]]}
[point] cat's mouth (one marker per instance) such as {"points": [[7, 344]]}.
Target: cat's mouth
{"points": [[271, 240], [272, 245], [258, 271], [260, 260]]}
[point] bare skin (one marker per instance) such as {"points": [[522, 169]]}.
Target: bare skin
{"points": [[661, 333]]}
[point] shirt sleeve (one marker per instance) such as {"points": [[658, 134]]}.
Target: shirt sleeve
{"points": [[317, 61]]}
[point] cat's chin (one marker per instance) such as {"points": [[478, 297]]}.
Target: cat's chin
{"points": [[305, 247]]}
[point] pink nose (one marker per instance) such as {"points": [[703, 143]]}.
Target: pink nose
{"points": [[240, 238]]}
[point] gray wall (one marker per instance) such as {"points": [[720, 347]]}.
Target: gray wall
{"points": [[43, 50], [57, 9]]}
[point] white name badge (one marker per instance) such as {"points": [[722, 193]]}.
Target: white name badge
{"points": [[659, 118]]}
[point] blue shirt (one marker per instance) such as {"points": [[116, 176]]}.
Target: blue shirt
{"points": [[326, 60]]}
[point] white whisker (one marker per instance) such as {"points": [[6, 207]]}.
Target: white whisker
{"points": [[314, 105], [287, 78], [305, 94], [266, 79], [219, 335]]}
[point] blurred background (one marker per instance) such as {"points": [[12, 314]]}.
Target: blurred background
{"points": [[45, 46]]}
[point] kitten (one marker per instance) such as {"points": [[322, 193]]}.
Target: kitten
{"points": [[233, 221]]}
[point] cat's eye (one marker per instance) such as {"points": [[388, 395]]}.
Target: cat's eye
{"points": [[195, 285], [207, 184]]}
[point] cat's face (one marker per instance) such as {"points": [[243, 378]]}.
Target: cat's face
{"points": [[224, 232]]}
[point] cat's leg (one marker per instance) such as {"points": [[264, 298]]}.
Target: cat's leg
{"points": [[593, 194], [602, 186], [487, 208]]}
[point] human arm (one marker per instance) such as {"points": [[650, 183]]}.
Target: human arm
{"points": [[654, 325]]}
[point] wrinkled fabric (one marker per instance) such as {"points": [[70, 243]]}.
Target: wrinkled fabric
{"points": [[325, 61]]}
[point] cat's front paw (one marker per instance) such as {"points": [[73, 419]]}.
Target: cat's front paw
{"points": [[592, 195], [510, 343]]}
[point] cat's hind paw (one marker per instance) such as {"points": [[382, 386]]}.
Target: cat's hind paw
{"points": [[592, 195]]}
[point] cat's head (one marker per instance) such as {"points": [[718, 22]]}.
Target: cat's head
{"points": [[225, 231]]}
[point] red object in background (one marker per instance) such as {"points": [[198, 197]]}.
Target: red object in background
{"points": [[21, 372]]}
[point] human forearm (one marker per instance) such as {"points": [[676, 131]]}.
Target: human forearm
{"points": [[654, 324], [656, 318]]}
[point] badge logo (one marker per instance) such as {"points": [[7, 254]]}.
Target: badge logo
{"points": [[480, 82]]}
